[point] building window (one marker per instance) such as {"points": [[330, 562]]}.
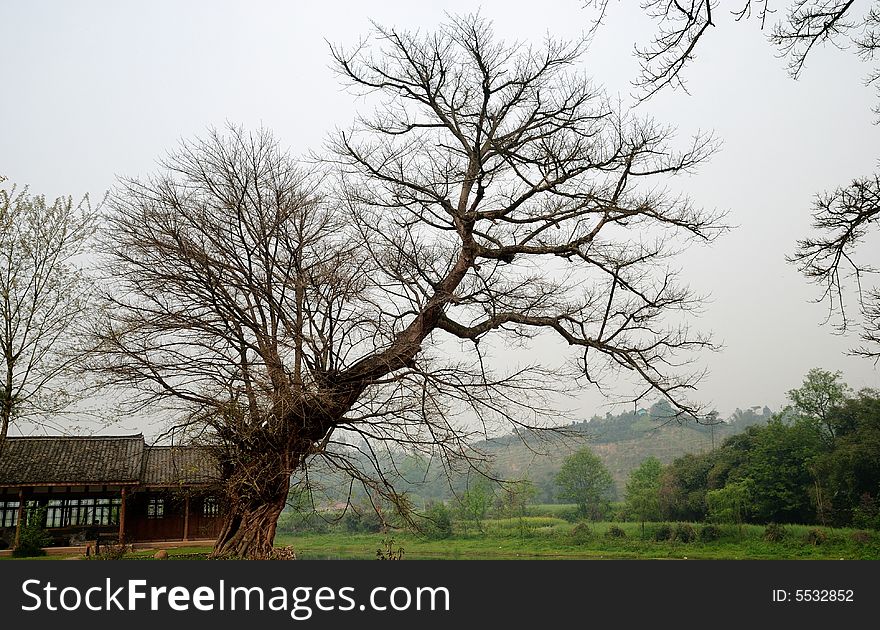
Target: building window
{"points": [[107, 511], [55, 514], [82, 512], [156, 507], [8, 513], [210, 507]]}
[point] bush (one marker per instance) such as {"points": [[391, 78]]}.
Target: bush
{"points": [[684, 532], [32, 537], [710, 533], [664, 532], [365, 522], [299, 522], [111, 551], [615, 532], [867, 513], [283, 553], [774, 532], [619, 512], [861, 538], [439, 523], [582, 533], [569, 514], [815, 537], [388, 550]]}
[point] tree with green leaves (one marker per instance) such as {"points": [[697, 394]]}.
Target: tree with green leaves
{"points": [[731, 503], [474, 502], [850, 473], [643, 491], [821, 392], [683, 486], [515, 495], [583, 479], [44, 293]]}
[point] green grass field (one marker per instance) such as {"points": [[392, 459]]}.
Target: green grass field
{"points": [[543, 535], [549, 537]]}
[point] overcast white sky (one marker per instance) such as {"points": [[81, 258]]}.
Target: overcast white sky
{"points": [[92, 90]]}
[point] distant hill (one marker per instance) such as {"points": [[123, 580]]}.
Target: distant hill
{"points": [[622, 442]]}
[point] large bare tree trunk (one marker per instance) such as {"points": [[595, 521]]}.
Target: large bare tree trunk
{"points": [[258, 492]]}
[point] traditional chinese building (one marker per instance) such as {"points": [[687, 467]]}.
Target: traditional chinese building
{"points": [[115, 488]]}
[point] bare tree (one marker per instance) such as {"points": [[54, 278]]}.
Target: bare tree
{"points": [[805, 25], [43, 294], [495, 194], [841, 218]]}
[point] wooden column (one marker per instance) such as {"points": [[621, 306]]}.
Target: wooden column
{"points": [[186, 518], [20, 516], [122, 515]]}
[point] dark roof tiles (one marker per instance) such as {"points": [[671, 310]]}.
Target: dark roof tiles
{"points": [[178, 465], [102, 460]]}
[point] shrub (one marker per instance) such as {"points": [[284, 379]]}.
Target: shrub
{"points": [[862, 538], [710, 533], [112, 551], [32, 537], [582, 533], [388, 551], [615, 532], [664, 532], [815, 537], [283, 553], [366, 521], [684, 532], [774, 532], [439, 523], [568, 514], [867, 513], [299, 522]]}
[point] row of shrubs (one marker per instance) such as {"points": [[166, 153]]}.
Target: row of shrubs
{"points": [[353, 521], [679, 532], [438, 524], [815, 536], [687, 533]]}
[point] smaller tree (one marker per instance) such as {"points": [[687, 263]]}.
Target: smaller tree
{"points": [[643, 491], [474, 502], [438, 520], [32, 537], [820, 393], [43, 294], [730, 504], [584, 480], [515, 496]]}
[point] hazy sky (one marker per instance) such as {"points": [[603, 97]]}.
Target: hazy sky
{"points": [[92, 90]]}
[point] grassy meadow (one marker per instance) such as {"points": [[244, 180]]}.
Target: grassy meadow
{"points": [[544, 534], [548, 532]]}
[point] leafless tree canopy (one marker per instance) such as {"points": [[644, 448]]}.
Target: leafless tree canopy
{"points": [[500, 193], [843, 217], [43, 294], [495, 193], [796, 28], [842, 220]]}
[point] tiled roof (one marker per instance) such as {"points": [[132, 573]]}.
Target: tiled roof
{"points": [[102, 460], [179, 465], [71, 460]]}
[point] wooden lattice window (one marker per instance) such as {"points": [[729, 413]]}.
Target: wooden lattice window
{"points": [[210, 507], [156, 507]]}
